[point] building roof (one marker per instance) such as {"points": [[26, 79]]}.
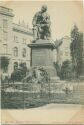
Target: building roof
{"points": [[22, 29], [6, 11]]}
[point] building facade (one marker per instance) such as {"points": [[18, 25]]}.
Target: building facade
{"points": [[14, 40]]}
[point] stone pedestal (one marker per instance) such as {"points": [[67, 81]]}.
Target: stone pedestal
{"points": [[42, 55]]}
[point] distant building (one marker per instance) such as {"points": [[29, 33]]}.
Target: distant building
{"points": [[14, 39], [63, 49]]}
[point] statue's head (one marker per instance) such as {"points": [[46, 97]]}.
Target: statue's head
{"points": [[44, 8]]}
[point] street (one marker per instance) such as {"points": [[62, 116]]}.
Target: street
{"points": [[50, 113]]}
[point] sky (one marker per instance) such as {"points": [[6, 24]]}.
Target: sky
{"points": [[63, 14]]}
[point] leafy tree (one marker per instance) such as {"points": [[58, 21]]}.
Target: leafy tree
{"points": [[66, 70], [4, 63], [76, 50], [16, 75], [19, 73], [23, 68]]}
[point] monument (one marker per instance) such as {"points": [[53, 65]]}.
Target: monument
{"points": [[42, 45]]}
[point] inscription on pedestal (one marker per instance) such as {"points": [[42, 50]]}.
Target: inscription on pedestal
{"points": [[42, 55]]}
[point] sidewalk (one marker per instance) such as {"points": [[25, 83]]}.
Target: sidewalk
{"points": [[49, 114]]}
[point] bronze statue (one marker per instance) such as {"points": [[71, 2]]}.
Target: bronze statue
{"points": [[41, 24]]}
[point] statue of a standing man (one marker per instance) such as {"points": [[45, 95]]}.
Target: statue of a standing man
{"points": [[41, 24]]}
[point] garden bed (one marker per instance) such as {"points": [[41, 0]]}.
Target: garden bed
{"points": [[20, 97]]}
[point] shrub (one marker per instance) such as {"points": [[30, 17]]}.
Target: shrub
{"points": [[37, 75], [66, 70], [19, 73]]}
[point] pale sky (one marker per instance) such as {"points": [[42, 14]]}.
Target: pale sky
{"points": [[63, 14]]}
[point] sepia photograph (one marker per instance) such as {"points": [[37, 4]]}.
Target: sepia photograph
{"points": [[42, 62]]}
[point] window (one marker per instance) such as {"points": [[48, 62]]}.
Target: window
{"points": [[15, 38], [5, 48], [15, 65], [15, 51], [24, 52], [5, 25]]}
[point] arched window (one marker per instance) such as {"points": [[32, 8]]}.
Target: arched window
{"points": [[15, 65], [24, 52], [15, 51]]}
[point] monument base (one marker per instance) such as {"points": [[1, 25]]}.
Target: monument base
{"points": [[52, 73], [42, 55]]}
